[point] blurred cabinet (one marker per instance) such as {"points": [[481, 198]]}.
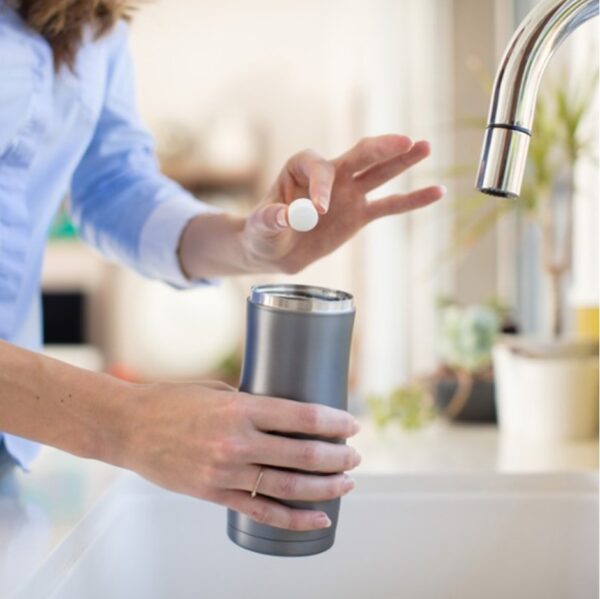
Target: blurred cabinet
{"points": [[74, 282]]}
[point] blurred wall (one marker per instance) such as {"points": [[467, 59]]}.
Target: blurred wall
{"points": [[474, 41], [289, 66], [586, 251]]}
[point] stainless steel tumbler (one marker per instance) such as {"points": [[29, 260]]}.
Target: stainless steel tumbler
{"points": [[297, 347]]}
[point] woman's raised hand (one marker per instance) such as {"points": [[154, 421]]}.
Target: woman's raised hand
{"points": [[338, 190]]}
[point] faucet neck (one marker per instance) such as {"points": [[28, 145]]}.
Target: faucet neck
{"points": [[516, 88], [527, 55]]}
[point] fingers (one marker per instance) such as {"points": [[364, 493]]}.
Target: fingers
{"points": [[321, 177], [287, 416], [305, 455], [270, 219], [218, 386], [380, 173], [309, 168], [294, 486], [270, 512], [371, 150], [397, 204]]}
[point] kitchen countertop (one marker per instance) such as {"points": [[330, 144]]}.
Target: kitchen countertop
{"points": [[39, 509], [444, 448]]}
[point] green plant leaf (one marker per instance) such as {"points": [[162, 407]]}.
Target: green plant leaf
{"points": [[408, 406]]}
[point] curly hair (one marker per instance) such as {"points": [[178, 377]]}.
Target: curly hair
{"points": [[62, 22]]}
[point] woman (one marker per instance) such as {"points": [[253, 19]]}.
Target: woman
{"points": [[68, 123]]}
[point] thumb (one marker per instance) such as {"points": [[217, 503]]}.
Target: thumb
{"points": [[270, 219]]}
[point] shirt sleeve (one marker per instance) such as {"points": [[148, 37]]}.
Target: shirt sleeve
{"points": [[120, 201]]}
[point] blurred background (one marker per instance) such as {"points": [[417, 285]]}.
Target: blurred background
{"points": [[231, 89]]}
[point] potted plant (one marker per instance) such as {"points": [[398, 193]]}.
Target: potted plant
{"points": [[546, 387], [464, 385]]}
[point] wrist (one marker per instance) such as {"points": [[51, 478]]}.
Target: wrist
{"points": [[112, 438], [212, 245], [144, 422]]}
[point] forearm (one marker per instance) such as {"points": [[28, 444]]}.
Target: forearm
{"points": [[76, 410], [211, 246]]}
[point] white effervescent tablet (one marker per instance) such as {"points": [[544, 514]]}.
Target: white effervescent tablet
{"points": [[302, 215]]}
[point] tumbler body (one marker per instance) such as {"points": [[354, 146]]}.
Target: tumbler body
{"points": [[297, 347]]}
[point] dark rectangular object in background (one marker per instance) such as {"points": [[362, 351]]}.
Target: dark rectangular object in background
{"points": [[64, 317]]}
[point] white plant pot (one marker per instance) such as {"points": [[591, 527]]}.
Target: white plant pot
{"points": [[546, 395]]}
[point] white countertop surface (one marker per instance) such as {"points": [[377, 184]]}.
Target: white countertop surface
{"points": [[443, 448], [39, 509]]}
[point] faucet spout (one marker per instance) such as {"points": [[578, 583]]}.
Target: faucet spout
{"points": [[514, 96]]}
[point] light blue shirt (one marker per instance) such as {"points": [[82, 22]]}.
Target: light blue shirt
{"points": [[76, 133]]}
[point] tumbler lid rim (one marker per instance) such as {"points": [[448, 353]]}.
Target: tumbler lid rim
{"points": [[302, 298]]}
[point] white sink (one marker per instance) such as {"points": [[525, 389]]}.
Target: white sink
{"points": [[446, 537]]}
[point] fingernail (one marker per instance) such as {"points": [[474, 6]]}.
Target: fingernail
{"points": [[322, 521], [322, 205], [281, 218], [356, 426], [358, 459], [444, 189], [349, 484]]}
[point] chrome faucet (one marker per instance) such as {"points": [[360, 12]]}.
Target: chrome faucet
{"points": [[510, 120]]}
